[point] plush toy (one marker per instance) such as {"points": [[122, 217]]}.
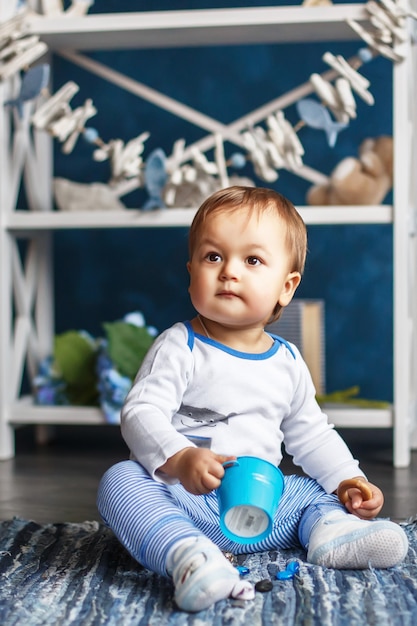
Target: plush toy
{"points": [[363, 180]]}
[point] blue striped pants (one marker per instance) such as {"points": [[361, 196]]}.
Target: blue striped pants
{"points": [[149, 517]]}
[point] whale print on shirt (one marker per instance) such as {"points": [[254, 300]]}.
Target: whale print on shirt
{"points": [[196, 417]]}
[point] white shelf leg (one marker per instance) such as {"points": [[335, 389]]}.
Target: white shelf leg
{"points": [[26, 288], [6, 431], [44, 303], [413, 239], [401, 242]]}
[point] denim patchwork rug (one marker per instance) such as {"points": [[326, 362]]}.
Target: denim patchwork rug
{"points": [[61, 574]]}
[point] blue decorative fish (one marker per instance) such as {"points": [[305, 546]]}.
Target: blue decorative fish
{"points": [[33, 82], [155, 179], [317, 116]]}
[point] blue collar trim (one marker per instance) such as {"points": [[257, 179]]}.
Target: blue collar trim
{"points": [[278, 342]]}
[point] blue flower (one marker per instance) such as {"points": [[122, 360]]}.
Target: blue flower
{"points": [[50, 387]]}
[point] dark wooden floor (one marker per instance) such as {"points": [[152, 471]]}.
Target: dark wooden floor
{"points": [[58, 482]]}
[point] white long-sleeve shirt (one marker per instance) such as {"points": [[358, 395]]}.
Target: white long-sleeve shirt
{"points": [[192, 390]]}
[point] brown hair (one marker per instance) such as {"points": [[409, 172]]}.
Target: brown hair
{"points": [[256, 199]]}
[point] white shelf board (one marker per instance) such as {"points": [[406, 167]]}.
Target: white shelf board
{"points": [[380, 214], [357, 417], [130, 218], [199, 27], [22, 221], [25, 412]]}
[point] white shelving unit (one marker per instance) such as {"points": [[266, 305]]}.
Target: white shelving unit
{"points": [[27, 307]]}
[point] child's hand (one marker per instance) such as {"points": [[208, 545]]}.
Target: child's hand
{"points": [[363, 499], [199, 470]]}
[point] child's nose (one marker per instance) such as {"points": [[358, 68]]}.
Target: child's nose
{"points": [[230, 270]]}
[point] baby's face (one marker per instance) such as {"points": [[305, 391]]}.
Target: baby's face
{"points": [[239, 270]]}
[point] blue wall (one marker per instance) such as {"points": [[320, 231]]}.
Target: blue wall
{"points": [[101, 275]]}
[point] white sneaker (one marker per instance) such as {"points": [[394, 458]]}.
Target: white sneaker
{"points": [[202, 576], [343, 541]]}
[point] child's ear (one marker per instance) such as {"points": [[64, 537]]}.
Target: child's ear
{"points": [[291, 283], [189, 266]]}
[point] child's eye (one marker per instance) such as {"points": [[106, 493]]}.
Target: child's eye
{"points": [[213, 257], [253, 260]]}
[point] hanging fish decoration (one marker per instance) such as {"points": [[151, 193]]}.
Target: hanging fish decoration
{"points": [[317, 116], [32, 84], [155, 179]]}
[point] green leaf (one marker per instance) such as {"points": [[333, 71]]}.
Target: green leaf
{"points": [[127, 345], [75, 359], [351, 397]]}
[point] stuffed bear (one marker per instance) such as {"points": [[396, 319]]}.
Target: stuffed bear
{"points": [[363, 180]]}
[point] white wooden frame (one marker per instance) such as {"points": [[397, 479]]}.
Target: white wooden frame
{"points": [[26, 312]]}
